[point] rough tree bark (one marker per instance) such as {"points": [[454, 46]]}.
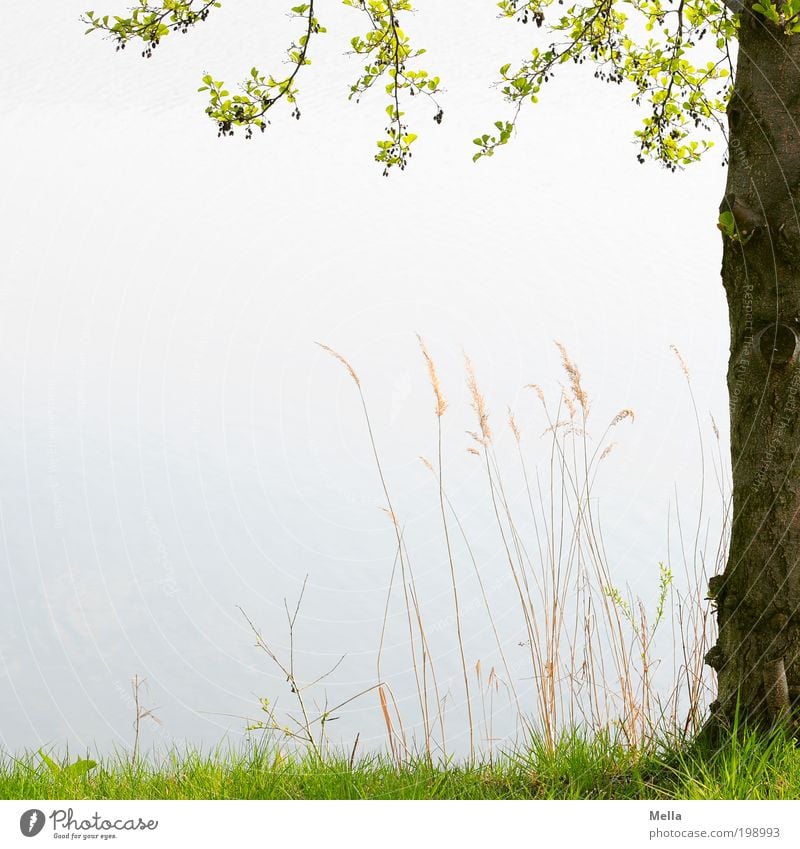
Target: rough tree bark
{"points": [[757, 656]]}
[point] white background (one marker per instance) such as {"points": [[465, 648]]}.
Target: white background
{"points": [[172, 443]]}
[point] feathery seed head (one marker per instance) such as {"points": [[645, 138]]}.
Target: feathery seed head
{"points": [[607, 450], [570, 405], [478, 401], [343, 361], [441, 403], [578, 393], [621, 416], [537, 389], [684, 367], [512, 423]]}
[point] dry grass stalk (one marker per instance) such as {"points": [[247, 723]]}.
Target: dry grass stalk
{"points": [[390, 514], [607, 450], [441, 403], [441, 406], [684, 367], [352, 760], [588, 658], [511, 688], [569, 404], [537, 389], [477, 438], [305, 723], [512, 423], [388, 720], [141, 713], [552, 428], [478, 401], [343, 361], [574, 379], [621, 416]]}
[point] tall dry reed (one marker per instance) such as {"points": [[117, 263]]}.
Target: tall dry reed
{"points": [[595, 653]]}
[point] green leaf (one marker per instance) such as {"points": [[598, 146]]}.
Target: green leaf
{"points": [[80, 767], [49, 763]]}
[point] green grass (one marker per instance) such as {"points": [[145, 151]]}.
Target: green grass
{"points": [[751, 767]]}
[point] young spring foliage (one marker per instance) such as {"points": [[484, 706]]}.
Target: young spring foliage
{"points": [[653, 46], [149, 23], [389, 61], [673, 56], [786, 15], [388, 55]]}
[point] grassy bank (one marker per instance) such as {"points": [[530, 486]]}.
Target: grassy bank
{"points": [[748, 768]]}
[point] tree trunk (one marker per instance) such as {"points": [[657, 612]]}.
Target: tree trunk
{"points": [[757, 656]]}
